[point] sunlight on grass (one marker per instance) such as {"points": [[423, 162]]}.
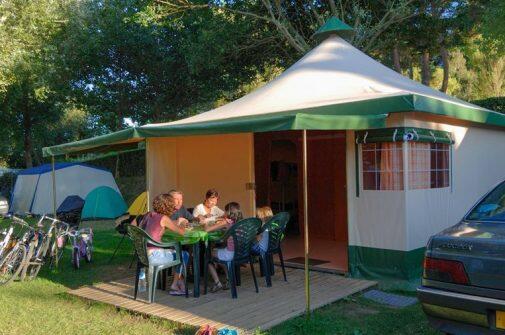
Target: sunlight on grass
{"points": [[42, 306]]}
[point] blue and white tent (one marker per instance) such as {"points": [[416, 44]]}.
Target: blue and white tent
{"points": [[33, 191]]}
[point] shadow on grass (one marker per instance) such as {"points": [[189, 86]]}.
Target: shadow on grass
{"points": [[101, 268]]}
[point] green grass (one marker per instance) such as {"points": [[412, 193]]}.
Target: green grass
{"points": [[356, 316], [42, 306]]}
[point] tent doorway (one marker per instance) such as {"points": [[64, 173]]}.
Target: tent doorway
{"points": [[279, 184]]}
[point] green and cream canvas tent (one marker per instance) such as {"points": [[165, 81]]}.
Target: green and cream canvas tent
{"points": [[369, 162]]}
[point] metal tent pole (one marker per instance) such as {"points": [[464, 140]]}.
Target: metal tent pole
{"points": [[53, 175], [306, 225], [146, 173]]}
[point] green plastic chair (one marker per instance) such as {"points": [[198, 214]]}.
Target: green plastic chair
{"points": [[276, 227], [244, 235], [140, 241]]}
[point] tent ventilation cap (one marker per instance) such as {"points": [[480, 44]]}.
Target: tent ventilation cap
{"points": [[333, 27]]}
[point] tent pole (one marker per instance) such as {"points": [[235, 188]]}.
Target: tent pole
{"points": [[53, 175], [147, 176], [306, 225]]}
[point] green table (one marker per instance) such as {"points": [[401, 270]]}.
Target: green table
{"points": [[194, 237]]}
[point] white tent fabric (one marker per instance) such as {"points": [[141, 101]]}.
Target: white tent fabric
{"points": [[333, 73], [33, 191]]}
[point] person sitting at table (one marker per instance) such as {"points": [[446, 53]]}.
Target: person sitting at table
{"points": [[232, 215], [208, 210], [261, 246], [155, 223], [181, 214]]}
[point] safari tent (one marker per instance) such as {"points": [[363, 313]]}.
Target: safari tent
{"points": [[368, 162]]}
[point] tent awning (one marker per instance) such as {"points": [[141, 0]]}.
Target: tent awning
{"points": [[355, 115]]}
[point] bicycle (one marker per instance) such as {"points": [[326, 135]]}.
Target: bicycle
{"points": [[4, 245], [60, 240], [82, 245], [14, 259], [38, 247]]}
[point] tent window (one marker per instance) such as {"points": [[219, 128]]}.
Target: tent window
{"points": [[428, 165], [382, 166]]}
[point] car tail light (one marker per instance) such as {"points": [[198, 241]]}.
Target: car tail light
{"points": [[445, 270]]}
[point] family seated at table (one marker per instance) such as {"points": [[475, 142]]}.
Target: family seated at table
{"points": [[169, 213]]}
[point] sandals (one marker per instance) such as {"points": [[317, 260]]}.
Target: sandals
{"points": [[216, 287], [176, 292], [219, 286]]}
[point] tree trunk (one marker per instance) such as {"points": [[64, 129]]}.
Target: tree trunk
{"points": [[27, 137], [411, 69], [425, 68], [445, 63], [396, 59]]}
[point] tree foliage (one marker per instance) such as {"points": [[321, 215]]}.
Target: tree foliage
{"points": [[71, 69]]}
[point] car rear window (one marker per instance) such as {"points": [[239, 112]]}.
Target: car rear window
{"points": [[491, 208]]}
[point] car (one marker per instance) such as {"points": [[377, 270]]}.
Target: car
{"points": [[4, 205], [463, 283]]}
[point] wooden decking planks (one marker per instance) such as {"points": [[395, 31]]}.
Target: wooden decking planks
{"points": [[270, 307]]}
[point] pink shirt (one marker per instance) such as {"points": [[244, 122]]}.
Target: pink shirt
{"points": [[154, 227]]}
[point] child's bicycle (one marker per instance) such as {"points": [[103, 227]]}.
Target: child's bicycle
{"points": [[82, 245]]}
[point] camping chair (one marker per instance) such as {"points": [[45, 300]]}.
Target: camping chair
{"points": [[243, 234], [276, 227], [140, 241], [121, 223]]}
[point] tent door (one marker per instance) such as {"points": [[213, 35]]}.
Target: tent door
{"points": [[279, 184]]}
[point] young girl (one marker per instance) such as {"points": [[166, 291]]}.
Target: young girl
{"points": [[261, 246], [155, 223], [232, 215]]}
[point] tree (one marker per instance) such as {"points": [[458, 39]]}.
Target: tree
{"points": [[296, 21], [27, 86]]}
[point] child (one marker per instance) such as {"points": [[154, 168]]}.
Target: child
{"points": [[261, 246], [232, 215]]}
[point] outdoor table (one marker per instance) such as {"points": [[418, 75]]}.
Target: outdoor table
{"points": [[194, 237]]}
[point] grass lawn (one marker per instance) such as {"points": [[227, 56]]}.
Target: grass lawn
{"points": [[42, 306]]}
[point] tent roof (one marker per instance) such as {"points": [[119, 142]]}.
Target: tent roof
{"points": [[335, 75], [334, 86], [41, 169]]}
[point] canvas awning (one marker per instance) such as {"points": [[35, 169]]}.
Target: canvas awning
{"points": [[334, 86]]}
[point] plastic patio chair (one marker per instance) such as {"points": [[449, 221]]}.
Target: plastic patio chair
{"points": [[140, 241], [276, 227], [244, 235]]}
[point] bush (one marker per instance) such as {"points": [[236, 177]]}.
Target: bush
{"points": [[7, 181]]}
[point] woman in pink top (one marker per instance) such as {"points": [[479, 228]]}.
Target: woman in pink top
{"points": [[155, 223], [232, 215]]}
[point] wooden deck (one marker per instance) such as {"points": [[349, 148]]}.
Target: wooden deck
{"points": [[269, 307]]}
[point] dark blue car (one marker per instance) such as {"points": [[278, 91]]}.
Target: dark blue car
{"points": [[463, 285]]}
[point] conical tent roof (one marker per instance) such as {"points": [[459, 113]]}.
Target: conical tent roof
{"points": [[331, 77], [334, 86]]}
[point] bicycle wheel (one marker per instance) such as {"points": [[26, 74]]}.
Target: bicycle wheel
{"points": [[89, 249], [76, 258], [12, 264]]}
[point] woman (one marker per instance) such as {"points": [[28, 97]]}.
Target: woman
{"points": [[232, 215], [155, 223], [261, 246], [208, 210]]}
